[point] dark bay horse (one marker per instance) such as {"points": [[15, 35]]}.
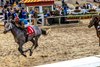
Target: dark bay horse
{"points": [[96, 23], [20, 37]]}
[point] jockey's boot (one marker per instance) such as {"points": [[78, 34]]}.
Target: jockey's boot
{"points": [[26, 35]]}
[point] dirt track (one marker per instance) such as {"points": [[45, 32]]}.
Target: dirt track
{"points": [[59, 45]]}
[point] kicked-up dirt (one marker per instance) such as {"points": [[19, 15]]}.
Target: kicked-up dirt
{"points": [[60, 44]]}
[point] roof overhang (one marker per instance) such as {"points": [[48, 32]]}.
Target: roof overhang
{"points": [[38, 2]]}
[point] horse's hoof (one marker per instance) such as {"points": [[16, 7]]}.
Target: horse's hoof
{"points": [[24, 55], [31, 53]]}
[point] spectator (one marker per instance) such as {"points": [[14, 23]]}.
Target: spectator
{"points": [[65, 7], [54, 6], [24, 13], [31, 11], [51, 20], [84, 6], [35, 16], [47, 14]]}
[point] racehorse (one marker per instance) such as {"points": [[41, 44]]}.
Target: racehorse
{"points": [[20, 37], [96, 23]]}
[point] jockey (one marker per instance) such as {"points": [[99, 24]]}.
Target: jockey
{"points": [[25, 22], [21, 22], [23, 18]]}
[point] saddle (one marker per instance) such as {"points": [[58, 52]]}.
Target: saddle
{"points": [[29, 31]]}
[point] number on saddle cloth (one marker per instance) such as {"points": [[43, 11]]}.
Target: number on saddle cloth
{"points": [[30, 31]]}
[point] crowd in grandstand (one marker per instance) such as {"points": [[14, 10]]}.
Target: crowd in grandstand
{"points": [[21, 12]]}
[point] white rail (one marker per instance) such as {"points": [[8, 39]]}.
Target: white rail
{"points": [[92, 61]]}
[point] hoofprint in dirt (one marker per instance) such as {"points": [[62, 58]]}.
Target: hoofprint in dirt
{"points": [[59, 45]]}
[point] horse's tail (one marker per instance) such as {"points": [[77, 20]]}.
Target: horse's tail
{"points": [[43, 32]]}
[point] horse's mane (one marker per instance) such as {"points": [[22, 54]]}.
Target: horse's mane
{"points": [[16, 26], [96, 16]]}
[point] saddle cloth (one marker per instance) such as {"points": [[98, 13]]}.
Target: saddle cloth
{"points": [[33, 30], [30, 30]]}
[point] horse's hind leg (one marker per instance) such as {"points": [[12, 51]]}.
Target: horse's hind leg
{"points": [[21, 51], [36, 41], [32, 47]]}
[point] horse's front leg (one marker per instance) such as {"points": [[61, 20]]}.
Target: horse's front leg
{"points": [[20, 49], [36, 41]]}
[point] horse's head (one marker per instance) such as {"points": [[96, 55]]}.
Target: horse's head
{"points": [[8, 26], [92, 22], [95, 21]]}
